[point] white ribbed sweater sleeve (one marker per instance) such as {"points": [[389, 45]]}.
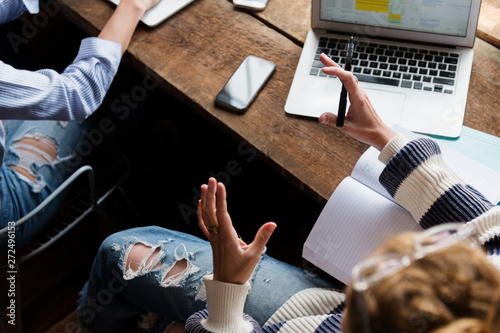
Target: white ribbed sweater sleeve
{"points": [[225, 302], [392, 147]]}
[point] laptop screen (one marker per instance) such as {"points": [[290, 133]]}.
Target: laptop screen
{"points": [[443, 17]]}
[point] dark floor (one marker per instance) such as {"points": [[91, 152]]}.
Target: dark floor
{"points": [[172, 151]]}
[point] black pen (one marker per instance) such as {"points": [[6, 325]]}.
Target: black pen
{"points": [[343, 94]]}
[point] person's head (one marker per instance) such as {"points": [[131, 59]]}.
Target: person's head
{"points": [[447, 290]]}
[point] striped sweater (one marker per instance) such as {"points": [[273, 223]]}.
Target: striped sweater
{"points": [[418, 179]]}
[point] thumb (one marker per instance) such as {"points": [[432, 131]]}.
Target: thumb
{"points": [[262, 236], [328, 118]]}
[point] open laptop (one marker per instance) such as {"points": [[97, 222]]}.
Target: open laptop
{"points": [[412, 57], [161, 11]]}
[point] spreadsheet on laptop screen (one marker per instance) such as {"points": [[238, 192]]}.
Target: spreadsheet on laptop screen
{"points": [[444, 17]]}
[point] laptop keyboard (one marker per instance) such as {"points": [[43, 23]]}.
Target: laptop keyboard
{"points": [[412, 68]]}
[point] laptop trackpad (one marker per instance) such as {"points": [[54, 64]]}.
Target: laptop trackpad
{"points": [[389, 105]]}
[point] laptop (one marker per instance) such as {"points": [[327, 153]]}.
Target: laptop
{"points": [[161, 11], [412, 57]]}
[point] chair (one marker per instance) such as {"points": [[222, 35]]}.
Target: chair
{"points": [[83, 201]]}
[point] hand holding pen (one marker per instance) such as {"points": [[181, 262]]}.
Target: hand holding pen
{"points": [[362, 121], [343, 94]]}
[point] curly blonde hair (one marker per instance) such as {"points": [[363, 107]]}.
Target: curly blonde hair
{"points": [[450, 291]]}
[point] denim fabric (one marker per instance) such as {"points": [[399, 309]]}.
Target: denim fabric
{"points": [[113, 299], [19, 195]]}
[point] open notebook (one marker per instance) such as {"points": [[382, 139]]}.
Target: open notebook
{"points": [[360, 214], [413, 58]]}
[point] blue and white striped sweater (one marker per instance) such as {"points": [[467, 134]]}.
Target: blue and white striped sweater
{"points": [[458, 203], [419, 180]]}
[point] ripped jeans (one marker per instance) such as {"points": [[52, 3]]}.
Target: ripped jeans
{"points": [[39, 156], [120, 290]]}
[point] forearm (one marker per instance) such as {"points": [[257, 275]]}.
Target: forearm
{"points": [[377, 136], [122, 24]]}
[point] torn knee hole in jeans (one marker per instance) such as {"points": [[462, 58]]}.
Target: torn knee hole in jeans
{"points": [[33, 148], [140, 259]]}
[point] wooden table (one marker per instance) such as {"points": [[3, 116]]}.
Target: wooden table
{"points": [[192, 54], [489, 22]]}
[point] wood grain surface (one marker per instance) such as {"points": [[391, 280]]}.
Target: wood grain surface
{"points": [[192, 54], [488, 27]]}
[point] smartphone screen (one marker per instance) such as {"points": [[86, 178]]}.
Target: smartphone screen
{"points": [[246, 82]]}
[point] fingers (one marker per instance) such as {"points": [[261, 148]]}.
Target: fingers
{"points": [[212, 207], [360, 104], [327, 61], [201, 222], [210, 202], [212, 211], [206, 208], [347, 78], [328, 118], [221, 206], [262, 237], [332, 68]]}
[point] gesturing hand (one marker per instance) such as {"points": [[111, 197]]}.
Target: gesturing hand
{"points": [[234, 260]]}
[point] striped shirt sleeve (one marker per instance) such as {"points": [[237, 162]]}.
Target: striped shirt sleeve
{"points": [[71, 95], [12, 9]]}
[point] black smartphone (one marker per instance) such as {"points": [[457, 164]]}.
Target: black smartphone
{"points": [[245, 83]]}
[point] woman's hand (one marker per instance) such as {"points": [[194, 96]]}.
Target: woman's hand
{"points": [[362, 121], [234, 260]]}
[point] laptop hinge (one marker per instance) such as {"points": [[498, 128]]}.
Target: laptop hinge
{"points": [[368, 39]]}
